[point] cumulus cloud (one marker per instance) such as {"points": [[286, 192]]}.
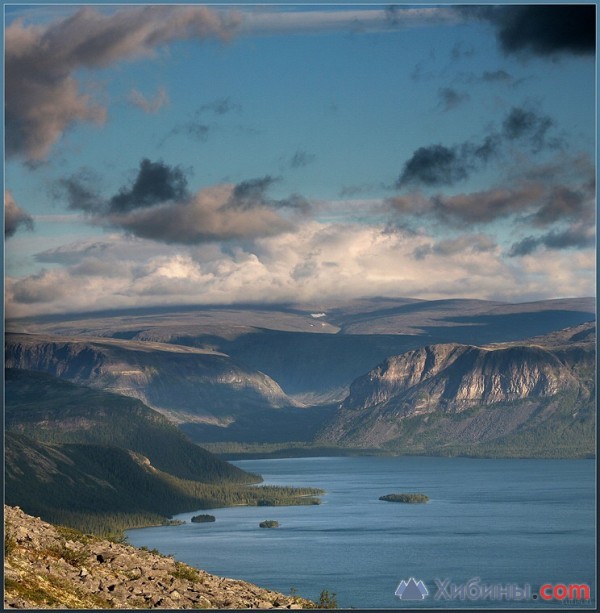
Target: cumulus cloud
{"points": [[156, 183], [14, 216], [42, 95], [313, 261], [544, 30], [149, 105], [158, 205], [534, 201], [437, 165]]}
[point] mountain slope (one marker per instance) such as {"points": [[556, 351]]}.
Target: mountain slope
{"points": [[186, 384], [55, 411], [443, 396], [49, 566]]}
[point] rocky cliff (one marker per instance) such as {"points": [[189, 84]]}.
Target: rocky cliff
{"points": [[452, 377], [185, 383], [436, 396], [52, 567]]}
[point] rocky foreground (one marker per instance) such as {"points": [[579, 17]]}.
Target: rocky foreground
{"points": [[53, 567]]}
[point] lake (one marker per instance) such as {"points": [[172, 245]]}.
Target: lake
{"points": [[510, 521]]}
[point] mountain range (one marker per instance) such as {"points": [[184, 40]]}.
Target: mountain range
{"points": [[113, 406]]}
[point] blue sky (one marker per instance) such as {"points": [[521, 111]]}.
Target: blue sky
{"points": [[304, 153]]}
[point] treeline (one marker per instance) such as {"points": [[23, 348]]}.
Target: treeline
{"points": [[101, 489]]}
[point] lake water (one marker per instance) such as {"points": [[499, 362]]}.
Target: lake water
{"points": [[504, 521]]}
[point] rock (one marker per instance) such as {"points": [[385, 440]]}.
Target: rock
{"points": [[121, 575]]}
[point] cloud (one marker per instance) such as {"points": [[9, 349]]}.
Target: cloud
{"points": [[14, 216], [450, 98], [538, 199], [155, 183], [301, 158], [313, 261], [360, 20], [149, 105], [576, 236], [80, 190], [220, 106], [43, 97], [438, 165], [471, 243], [158, 205], [521, 124], [545, 30]]}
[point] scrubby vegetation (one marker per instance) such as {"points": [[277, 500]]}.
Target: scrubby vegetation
{"points": [[406, 498]]}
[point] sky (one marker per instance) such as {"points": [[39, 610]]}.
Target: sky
{"points": [[284, 153]]}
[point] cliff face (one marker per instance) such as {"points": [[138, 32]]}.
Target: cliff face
{"points": [[453, 377], [185, 383], [60, 568], [431, 398]]}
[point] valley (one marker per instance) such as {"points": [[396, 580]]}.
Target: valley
{"points": [[134, 406]]}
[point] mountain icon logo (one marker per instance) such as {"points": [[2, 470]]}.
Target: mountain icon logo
{"points": [[411, 590]]}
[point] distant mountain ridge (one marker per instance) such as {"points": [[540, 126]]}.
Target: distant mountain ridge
{"points": [[187, 384]]}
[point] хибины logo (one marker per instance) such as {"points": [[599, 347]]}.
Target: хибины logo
{"points": [[411, 590]]}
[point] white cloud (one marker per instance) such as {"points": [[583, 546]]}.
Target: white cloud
{"points": [[318, 261]]}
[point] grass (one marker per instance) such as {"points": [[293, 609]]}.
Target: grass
{"points": [[187, 573]]}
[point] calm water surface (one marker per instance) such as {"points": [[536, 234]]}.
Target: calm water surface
{"points": [[505, 521]]}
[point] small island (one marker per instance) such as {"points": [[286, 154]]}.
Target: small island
{"points": [[406, 498], [269, 523], [201, 519]]}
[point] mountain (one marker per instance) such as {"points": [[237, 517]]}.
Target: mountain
{"points": [[187, 384], [315, 351], [100, 461], [48, 566], [51, 410], [441, 397]]}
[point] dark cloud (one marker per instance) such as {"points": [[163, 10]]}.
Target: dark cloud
{"points": [[433, 166], [155, 183], [450, 98], [300, 159], [544, 30], [252, 194], [42, 95], [522, 124], [14, 216], [80, 190], [548, 29], [487, 206], [438, 165], [577, 236], [565, 203]]}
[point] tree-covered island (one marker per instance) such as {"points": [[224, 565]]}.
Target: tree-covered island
{"points": [[412, 498]]}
